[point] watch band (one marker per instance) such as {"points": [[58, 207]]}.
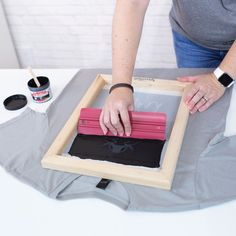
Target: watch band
{"points": [[218, 72], [223, 78]]}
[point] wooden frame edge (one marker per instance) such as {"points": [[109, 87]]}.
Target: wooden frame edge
{"points": [[162, 178], [61, 140]]}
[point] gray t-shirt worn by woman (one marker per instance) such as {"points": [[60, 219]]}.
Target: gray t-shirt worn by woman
{"points": [[210, 23]]}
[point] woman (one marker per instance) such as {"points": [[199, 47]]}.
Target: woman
{"points": [[204, 35]]}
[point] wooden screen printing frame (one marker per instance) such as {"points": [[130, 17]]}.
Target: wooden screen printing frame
{"points": [[161, 178]]}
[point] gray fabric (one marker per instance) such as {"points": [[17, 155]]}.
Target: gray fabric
{"points": [[210, 23], [205, 173]]}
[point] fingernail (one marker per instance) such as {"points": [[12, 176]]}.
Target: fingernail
{"points": [[121, 134], [128, 134]]}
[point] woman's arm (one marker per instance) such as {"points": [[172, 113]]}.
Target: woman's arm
{"points": [[206, 89], [126, 32], [228, 65]]}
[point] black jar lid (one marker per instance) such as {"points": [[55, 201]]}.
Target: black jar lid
{"points": [[15, 102]]}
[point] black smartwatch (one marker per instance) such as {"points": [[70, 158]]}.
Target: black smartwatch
{"points": [[225, 79]]}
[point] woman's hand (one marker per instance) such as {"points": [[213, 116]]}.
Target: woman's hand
{"points": [[204, 92], [115, 111]]}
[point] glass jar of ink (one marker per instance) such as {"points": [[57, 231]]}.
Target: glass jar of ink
{"points": [[42, 93]]}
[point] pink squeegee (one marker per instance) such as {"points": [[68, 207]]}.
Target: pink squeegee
{"points": [[145, 125]]}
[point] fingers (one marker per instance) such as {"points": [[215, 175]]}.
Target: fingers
{"points": [[107, 122], [190, 94], [124, 115], [102, 125], [116, 123], [115, 115], [111, 121], [206, 105], [195, 99], [202, 93], [200, 103]]}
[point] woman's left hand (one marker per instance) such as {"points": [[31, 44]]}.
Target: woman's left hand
{"points": [[204, 91]]}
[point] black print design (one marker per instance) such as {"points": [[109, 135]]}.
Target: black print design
{"points": [[117, 146]]}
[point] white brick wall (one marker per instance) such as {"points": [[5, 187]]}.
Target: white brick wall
{"points": [[77, 33]]}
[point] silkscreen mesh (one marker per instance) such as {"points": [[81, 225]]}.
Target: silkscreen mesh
{"points": [[129, 151]]}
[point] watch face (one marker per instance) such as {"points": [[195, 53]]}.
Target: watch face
{"points": [[225, 79]]}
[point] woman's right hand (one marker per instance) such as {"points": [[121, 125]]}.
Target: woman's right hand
{"points": [[115, 115]]}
